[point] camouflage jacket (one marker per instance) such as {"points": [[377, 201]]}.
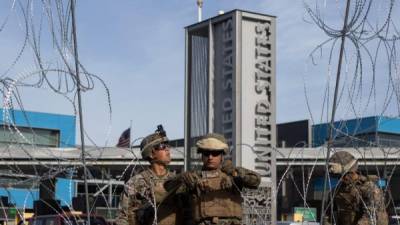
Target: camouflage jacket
{"points": [[358, 201], [142, 193], [214, 196]]}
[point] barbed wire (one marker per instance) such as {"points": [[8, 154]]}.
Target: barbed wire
{"points": [[43, 24], [56, 74], [371, 76]]}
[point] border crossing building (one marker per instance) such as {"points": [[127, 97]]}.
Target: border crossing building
{"points": [[301, 151], [299, 168], [23, 129]]}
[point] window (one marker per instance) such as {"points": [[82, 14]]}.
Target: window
{"points": [[37, 136]]}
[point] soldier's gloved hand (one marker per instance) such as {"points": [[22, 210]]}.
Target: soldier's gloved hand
{"points": [[226, 183], [145, 214], [228, 168], [190, 179], [240, 172]]}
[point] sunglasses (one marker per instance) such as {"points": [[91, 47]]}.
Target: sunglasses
{"points": [[214, 154], [162, 146]]}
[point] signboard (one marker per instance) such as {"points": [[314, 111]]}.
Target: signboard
{"points": [[8, 213], [257, 105], [307, 214], [222, 109], [230, 89]]}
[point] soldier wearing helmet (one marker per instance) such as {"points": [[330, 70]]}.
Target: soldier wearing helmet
{"points": [[214, 191], [143, 200], [356, 199]]}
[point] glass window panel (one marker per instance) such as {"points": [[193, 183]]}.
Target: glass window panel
{"points": [[24, 135]]}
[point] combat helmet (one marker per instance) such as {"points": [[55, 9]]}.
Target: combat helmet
{"points": [[342, 162], [147, 144], [212, 142]]}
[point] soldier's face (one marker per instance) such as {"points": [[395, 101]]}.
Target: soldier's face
{"points": [[162, 153], [211, 160], [335, 168]]}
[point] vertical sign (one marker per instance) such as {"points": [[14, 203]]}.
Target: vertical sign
{"points": [[258, 96], [258, 125], [224, 80], [241, 99]]}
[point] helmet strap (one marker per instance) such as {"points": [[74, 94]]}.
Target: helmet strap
{"points": [[349, 166]]}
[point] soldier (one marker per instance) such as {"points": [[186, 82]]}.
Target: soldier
{"points": [[144, 192], [215, 191], [356, 199]]}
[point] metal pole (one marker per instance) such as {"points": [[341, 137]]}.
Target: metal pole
{"points": [[187, 141], [330, 128], [110, 187], [199, 8], [78, 83], [130, 135]]}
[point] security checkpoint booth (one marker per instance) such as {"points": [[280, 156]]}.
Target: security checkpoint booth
{"points": [[230, 89]]}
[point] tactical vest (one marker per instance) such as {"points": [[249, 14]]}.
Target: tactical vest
{"points": [[218, 203], [166, 208]]}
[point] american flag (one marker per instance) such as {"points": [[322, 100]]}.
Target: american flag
{"points": [[125, 139]]}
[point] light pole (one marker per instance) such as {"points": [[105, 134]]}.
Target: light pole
{"points": [[199, 8]]}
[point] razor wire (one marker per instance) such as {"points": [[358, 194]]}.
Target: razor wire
{"points": [[59, 78], [371, 75], [42, 23]]}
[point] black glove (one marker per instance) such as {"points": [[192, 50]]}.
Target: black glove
{"points": [[145, 214]]}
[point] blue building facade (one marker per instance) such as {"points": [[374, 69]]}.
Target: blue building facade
{"points": [[40, 129], [64, 125], [367, 131]]}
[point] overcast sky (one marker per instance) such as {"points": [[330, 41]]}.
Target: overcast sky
{"points": [[137, 48]]}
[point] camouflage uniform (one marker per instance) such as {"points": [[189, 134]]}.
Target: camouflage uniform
{"points": [[139, 196], [214, 195], [356, 200], [145, 192]]}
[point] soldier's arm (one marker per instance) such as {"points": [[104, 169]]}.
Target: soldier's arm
{"points": [[373, 203], [173, 184], [181, 183], [246, 178], [127, 207], [123, 215], [242, 177]]}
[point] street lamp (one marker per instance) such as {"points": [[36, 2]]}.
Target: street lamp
{"points": [[199, 7]]}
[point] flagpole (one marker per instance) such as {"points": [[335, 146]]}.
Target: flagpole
{"points": [[199, 10]]}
